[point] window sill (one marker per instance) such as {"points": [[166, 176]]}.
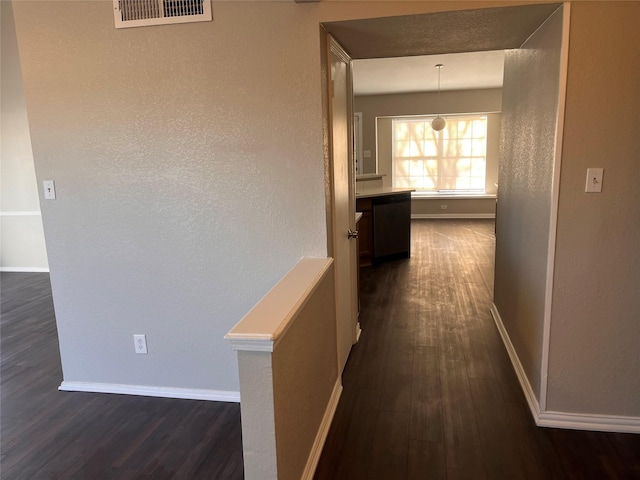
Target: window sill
{"points": [[460, 196]]}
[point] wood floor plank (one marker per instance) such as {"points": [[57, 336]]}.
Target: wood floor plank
{"points": [[390, 449], [462, 440], [468, 416], [48, 434], [426, 419], [500, 456], [426, 372], [351, 436], [426, 461], [396, 387]]}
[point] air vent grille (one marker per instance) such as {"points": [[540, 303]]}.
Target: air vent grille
{"points": [[139, 13]]}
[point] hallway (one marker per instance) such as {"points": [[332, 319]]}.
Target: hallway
{"points": [[429, 391]]}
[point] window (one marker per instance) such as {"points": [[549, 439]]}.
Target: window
{"points": [[139, 13], [453, 160]]}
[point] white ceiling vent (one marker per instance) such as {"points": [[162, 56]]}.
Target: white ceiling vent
{"points": [[140, 13]]}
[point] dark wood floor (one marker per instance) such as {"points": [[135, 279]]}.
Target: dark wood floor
{"points": [[429, 391], [47, 434]]}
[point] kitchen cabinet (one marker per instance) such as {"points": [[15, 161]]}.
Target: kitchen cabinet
{"points": [[385, 226], [365, 232]]}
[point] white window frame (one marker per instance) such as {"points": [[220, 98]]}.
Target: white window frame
{"points": [[426, 151]]}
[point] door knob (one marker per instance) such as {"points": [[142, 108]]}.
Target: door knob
{"points": [[353, 233]]}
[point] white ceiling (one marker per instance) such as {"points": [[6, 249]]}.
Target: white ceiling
{"points": [[461, 71]]}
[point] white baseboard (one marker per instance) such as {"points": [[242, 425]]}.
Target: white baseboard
{"points": [[28, 213], [358, 332], [551, 419], [598, 423], [147, 391], [470, 216], [323, 431], [25, 269], [532, 401]]}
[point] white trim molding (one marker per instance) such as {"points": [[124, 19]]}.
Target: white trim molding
{"points": [[555, 199], [252, 344], [30, 213], [469, 216], [25, 269], [598, 423], [358, 332], [148, 391], [266, 323], [323, 431], [529, 394], [551, 419]]}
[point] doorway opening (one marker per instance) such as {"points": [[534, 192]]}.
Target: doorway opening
{"points": [[538, 86]]}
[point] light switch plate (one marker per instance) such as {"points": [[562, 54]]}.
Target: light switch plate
{"points": [[594, 180], [49, 189]]}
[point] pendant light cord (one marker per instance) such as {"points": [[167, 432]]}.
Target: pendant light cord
{"points": [[438, 123], [439, 66]]}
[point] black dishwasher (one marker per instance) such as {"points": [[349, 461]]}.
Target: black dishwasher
{"points": [[391, 226]]}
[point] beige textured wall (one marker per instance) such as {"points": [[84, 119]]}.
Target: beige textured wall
{"points": [[484, 207], [183, 160], [529, 108], [595, 329], [257, 411], [305, 372]]}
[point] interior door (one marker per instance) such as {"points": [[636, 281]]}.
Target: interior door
{"points": [[343, 199]]}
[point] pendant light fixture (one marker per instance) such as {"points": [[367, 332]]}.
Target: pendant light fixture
{"points": [[438, 123]]}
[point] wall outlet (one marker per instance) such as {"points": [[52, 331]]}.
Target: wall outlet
{"points": [[366, 154], [140, 343], [443, 207]]}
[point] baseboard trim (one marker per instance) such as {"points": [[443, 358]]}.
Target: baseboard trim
{"points": [[147, 391], [25, 269], [532, 401], [469, 216], [598, 423], [551, 419], [23, 213], [323, 431]]}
